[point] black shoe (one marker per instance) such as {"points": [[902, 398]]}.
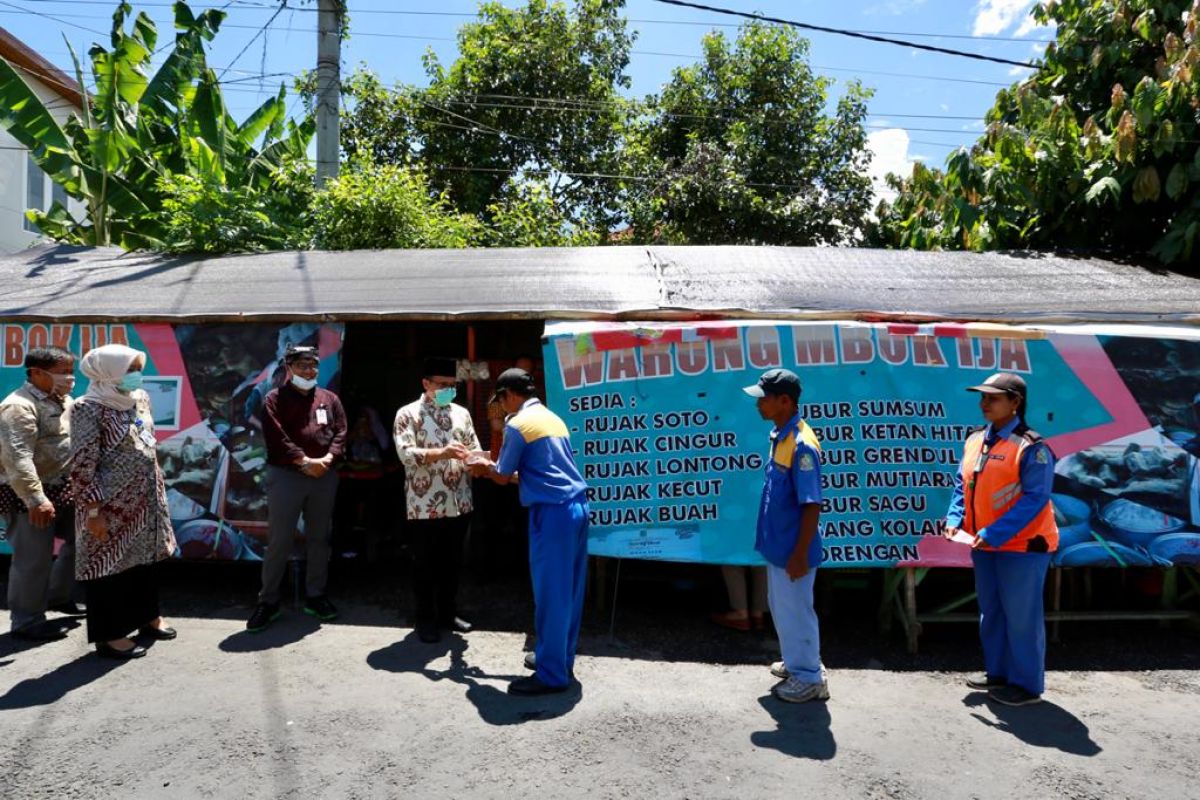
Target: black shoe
{"points": [[264, 614], [531, 663], [429, 635], [320, 607], [158, 634], [40, 632], [71, 609], [457, 625], [1013, 695], [532, 686], [985, 683], [105, 650]]}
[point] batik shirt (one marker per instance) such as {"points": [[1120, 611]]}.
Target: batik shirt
{"points": [[114, 465], [434, 489]]}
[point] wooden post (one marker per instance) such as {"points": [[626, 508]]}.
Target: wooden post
{"points": [[913, 628], [1055, 600]]}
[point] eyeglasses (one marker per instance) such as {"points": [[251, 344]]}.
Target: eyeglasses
{"points": [[446, 384]]}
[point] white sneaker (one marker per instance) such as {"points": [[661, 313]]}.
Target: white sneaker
{"points": [[779, 670], [794, 691]]}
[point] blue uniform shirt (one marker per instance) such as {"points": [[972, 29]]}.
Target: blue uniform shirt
{"points": [[792, 481], [1037, 480], [536, 444]]}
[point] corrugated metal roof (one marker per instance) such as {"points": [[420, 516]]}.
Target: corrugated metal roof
{"points": [[1001, 287], [94, 284]]}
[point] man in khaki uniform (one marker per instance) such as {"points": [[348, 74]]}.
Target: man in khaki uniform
{"points": [[35, 450]]}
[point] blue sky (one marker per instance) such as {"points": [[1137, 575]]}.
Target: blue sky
{"points": [[925, 104]]}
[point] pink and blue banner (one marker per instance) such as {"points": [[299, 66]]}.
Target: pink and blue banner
{"points": [[206, 385], [673, 450]]}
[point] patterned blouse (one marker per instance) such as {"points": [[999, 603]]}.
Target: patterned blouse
{"points": [[438, 488], [114, 464]]}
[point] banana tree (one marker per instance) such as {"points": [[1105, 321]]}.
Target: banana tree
{"points": [[136, 131]]}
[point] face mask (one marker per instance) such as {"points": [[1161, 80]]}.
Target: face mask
{"points": [[131, 381], [63, 384], [444, 397], [303, 384]]}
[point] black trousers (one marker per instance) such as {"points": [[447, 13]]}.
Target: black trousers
{"points": [[436, 546], [119, 604]]}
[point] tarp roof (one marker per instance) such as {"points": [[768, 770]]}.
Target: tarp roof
{"points": [[98, 284]]}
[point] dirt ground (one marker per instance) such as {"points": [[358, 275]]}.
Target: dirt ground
{"points": [[666, 707]]}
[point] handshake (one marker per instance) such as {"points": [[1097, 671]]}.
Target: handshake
{"points": [[478, 462]]}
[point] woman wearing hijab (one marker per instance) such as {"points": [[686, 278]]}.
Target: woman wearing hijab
{"points": [[1002, 500], [122, 526]]}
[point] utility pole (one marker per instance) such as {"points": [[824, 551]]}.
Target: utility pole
{"points": [[329, 87]]}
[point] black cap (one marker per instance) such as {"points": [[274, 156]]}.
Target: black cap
{"points": [[516, 379], [300, 352], [776, 381], [438, 365], [1001, 383]]}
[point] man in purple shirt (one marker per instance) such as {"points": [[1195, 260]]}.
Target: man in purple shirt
{"points": [[305, 431]]}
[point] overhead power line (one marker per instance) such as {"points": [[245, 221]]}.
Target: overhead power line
{"points": [[54, 18], [253, 39], [844, 32], [654, 53], [556, 105], [245, 5]]}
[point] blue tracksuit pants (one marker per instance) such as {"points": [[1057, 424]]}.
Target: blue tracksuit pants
{"points": [[558, 567], [1012, 622]]}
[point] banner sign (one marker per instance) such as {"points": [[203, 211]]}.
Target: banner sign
{"points": [[673, 450], [206, 385]]}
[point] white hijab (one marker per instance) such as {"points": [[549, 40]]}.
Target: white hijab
{"points": [[104, 367]]}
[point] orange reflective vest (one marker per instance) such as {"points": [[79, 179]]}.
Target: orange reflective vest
{"points": [[991, 479]]}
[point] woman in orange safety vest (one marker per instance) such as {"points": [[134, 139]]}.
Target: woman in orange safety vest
{"points": [[1002, 499]]}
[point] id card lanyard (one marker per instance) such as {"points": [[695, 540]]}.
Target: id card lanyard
{"points": [[146, 436]]}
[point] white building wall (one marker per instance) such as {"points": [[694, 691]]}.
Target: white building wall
{"points": [[14, 184]]}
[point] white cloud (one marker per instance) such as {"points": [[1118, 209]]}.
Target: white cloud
{"points": [[889, 153], [1030, 25], [996, 16]]}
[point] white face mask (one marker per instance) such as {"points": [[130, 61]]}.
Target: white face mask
{"points": [[303, 384], [63, 384]]}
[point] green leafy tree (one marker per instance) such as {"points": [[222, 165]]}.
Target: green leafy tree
{"points": [[379, 124], [738, 149], [533, 93], [1096, 151], [202, 215], [526, 215], [373, 206], [123, 153]]}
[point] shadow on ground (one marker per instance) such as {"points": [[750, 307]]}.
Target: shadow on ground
{"points": [[494, 705], [1042, 725]]}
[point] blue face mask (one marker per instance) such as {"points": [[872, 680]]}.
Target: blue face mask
{"points": [[131, 381], [444, 397]]}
